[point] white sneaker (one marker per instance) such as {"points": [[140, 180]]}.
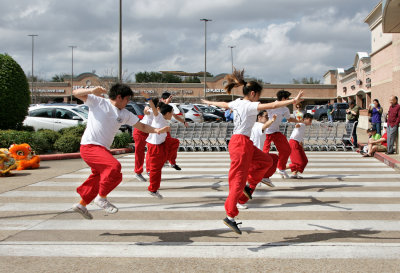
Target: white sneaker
{"points": [[156, 194], [82, 210], [283, 173], [140, 177], [267, 182], [105, 205], [296, 176], [241, 206]]}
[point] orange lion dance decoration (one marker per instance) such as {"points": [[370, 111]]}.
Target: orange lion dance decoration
{"points": [[24, 156]]}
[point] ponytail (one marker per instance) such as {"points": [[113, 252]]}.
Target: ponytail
{"points": [[236, 79]]}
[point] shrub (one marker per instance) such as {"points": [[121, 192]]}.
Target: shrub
{"points": [[75, 131], [121, 141], [8, 137], [50, 135], [40, 144], [68, 143], [14, 93]]}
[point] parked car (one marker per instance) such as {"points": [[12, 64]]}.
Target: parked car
{"points": [[310, 109], [209, 113], [55, 117], [137, 108], [338, 115], [177, 111], [191, 114]]}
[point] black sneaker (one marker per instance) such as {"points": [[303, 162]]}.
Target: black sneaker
{"points": [[232, 225], [176, 167], [248, 192]]}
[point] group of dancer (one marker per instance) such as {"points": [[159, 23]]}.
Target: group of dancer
{"points": [[256, 126]]}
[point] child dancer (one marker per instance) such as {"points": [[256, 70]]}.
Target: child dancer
{"points": [[140, 142], [274, 135], [298, 156], [258, 138], [105, 118], [157, 152], [172, 143], [248, 163]]}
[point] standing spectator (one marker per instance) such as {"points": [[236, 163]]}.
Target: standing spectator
{"points": [[229, 115], [298, 113], [329, 111], [393, 123], [352, 117], [375, 111]]}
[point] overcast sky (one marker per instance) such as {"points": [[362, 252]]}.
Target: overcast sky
{"points": [[275, 40]]}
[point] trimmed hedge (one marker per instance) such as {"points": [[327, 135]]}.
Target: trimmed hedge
{"points": [[67, 140], [14, 93], [121, 141]]}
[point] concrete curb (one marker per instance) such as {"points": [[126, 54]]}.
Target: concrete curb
{"points": [[78, 155], [391, 162]]}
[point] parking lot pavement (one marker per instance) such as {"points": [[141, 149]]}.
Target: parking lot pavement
{"points": [[343, 216]]}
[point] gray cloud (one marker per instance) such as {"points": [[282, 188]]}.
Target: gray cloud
{"points": [[275, 40]]}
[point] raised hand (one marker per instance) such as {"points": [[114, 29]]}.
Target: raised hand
{"points": [[98, 91]]}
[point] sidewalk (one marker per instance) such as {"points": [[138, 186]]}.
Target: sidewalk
{"points": [[392, 161]]}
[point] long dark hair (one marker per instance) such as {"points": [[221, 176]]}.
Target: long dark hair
{"points": [[379, 105], [236, 79]]}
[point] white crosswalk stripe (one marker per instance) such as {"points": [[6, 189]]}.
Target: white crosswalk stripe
{"points": [[342, 195]]}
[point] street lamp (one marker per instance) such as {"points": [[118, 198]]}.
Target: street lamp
{"points": [[232, 47], [205, 54], [72, 68], [33, 36], [120, 43]]}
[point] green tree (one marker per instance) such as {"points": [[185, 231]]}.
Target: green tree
{"points": [[59, 78], [191, 79], [14, 93], [306, 80]]}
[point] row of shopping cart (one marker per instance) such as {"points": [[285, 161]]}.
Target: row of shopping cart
{"points": [[320, 136]]}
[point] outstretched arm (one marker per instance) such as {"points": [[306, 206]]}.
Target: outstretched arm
{"points": [[82, 93], [220, 104], [268, 123], [150, 130], [279, 104]]}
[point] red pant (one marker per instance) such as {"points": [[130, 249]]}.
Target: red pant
{"points": [[106, 172], [297, 156], [243, 198], [140, 145], [248, 163], [172, 146], [155, 159], [282, 145]]}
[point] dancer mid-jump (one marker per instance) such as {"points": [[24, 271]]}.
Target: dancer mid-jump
{"points": [[248, 163], [105, 118]]}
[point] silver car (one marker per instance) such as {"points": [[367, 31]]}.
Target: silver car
{"points": [[191, 114], [55, 117]]}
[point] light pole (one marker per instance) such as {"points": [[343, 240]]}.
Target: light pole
{"points": [[205, 54], [33, 36], [120, 43], [72, 70], [232, 47]]}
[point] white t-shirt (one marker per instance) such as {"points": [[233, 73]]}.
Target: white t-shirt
{"points": [[148, 119], [280, 113], [104, 120], [245, 115], [298, 133], [258, 136], [158, 122]]}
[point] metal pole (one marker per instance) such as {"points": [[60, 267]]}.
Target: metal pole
{"points": [[120, 42], [72, 70], [232, 47], [33, 36], [205, 55]]}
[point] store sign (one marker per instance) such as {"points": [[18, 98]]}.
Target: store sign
{"points": [[173, 92], [215, 90], [50, 90]]}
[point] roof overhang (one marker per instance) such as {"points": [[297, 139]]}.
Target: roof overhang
{"points": [[391, 16]]}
